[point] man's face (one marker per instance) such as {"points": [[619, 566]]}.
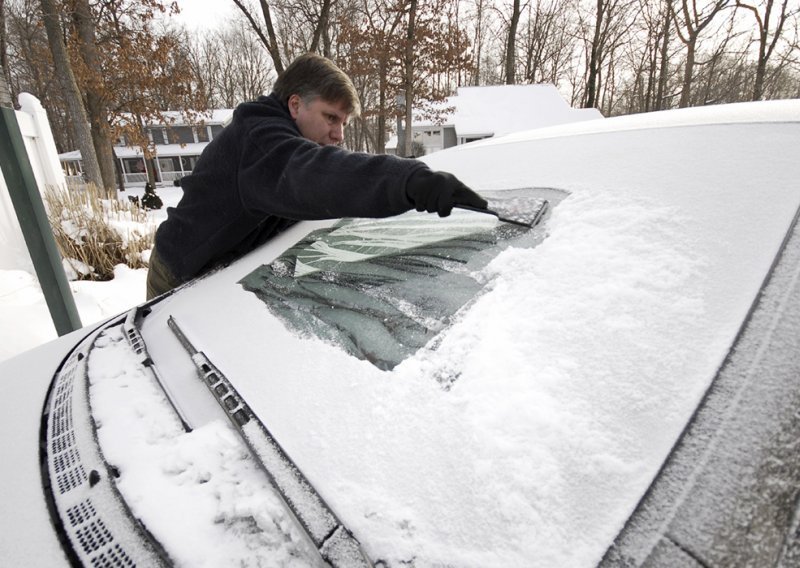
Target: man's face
{"points": [[320, 121]]}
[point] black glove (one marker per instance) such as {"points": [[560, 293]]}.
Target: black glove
{"points": [[438, 192]]}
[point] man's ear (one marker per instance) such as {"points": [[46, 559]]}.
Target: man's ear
{"points": [[294, 105]]}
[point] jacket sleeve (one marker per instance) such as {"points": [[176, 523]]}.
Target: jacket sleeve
{"points": [[281, 173]]}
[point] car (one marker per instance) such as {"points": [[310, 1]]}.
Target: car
{"points": [[615, 385]]}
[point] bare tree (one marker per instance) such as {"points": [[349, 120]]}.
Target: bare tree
{"points": [[270, 40], [721, 63], [4, 45], [31, 63], [477, 41], [663, 75], [96, 108], [231, 64], [72, 96], [690, 21], [322, 25], [204, 61], [511, 43], [612, 20], [648, 58], [291, 27], [547, 42], [769, 33], [408, 77]]}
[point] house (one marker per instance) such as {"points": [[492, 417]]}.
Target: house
{"points": [[177, 146], [490, 111]]}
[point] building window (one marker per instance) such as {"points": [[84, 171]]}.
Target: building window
{"points": [[134, 170], [170, 164], [133, 165], [188, 163], [181, 135], [202, 133], [215, 130], [158, 135]]}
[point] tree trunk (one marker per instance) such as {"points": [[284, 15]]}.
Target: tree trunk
{"points": [[4, 44], [271, 42], [663, 72], [71, 93], [765, 46], [688, 72], [592, 82], [322, 25], [409, 77], [511, 45], [120, 175], [96, 108], [478, 43], [694, 23], [761, 71], [382, 110]]}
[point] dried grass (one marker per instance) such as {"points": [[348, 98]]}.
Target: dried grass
{"points": [[94, 234]]}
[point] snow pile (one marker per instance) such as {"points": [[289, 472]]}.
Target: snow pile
{"points": [[26, 321], [558, 420]]}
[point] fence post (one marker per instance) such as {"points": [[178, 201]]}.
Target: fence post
{"points": [[27, 201], [44, 142]]}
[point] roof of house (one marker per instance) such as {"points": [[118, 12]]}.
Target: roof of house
{"points": [[211, 116], [163, 150], [496, 110], [502, 109], [183, 118]]}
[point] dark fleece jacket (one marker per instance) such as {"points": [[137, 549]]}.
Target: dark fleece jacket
{"points": [[259, 176]]}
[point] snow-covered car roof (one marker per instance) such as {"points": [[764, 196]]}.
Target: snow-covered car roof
{"points": [[530, 424]]}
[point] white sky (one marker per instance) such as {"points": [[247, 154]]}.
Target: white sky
{"points": [[205, 14]]}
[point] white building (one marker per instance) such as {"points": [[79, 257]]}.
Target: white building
{"points": [[177, 147], [491, 111]]}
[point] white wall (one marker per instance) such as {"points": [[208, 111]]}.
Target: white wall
{"points": [[42, 153]]}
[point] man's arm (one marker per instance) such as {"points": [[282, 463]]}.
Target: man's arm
{"points": [[286, 175]]}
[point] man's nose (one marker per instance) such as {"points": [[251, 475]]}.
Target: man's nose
{"points": [[337, 133]]}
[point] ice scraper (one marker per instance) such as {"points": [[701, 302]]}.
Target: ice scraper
{"points": [[528, 221]]}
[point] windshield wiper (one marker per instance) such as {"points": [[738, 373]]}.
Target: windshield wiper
{"points": [[334, 542]]}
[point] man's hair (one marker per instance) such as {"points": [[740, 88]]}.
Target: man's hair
{"points": [[311, 76]]}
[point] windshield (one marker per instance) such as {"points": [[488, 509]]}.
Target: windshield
{"points": [[382, 289]]}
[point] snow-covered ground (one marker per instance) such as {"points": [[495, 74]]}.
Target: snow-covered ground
{"points": [[24, 318]]}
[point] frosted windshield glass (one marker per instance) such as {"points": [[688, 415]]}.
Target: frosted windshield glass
{"points": [[382, 288]]}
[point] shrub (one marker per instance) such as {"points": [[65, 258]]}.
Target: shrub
{"points": [[95, 234]]}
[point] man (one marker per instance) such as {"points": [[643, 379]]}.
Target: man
{"points": [[278, 162], [150, 200]]}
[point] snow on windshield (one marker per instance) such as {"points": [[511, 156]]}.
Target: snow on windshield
{"points": [[382, 289]]}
